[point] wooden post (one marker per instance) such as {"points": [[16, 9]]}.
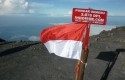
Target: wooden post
{"points": [[80, 67]]}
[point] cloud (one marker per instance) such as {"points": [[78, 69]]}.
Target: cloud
{"points": [[82, 0], [18, 37], [59, 12], [68, 14], [13, 6], [31, 11], [96, 29], [37, 5], [58, 23], [10, 7], [116, 14], [34, 38]]}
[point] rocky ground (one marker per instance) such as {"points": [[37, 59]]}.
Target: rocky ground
{"points": [[31, 60]]}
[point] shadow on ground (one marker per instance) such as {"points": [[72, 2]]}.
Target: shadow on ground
{"points": [[16, 49], [111, 57]]}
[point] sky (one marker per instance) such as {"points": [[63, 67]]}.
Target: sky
{"points": [[25, 19]]}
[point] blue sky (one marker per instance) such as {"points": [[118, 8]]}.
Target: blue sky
{"points": [[28, 17], [58, 8]]}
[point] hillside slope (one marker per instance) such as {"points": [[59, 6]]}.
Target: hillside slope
{"points": [[32, 61], [107, 56]]}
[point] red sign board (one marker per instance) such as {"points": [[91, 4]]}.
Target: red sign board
{"points": [[89, 16]]}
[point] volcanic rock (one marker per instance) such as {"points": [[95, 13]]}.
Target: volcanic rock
{"points": [[31, 60]]}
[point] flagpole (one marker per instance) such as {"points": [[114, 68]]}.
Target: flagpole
{"points": [[81, 65]]}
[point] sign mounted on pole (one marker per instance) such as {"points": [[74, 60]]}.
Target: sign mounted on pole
{"points": [[89, 16]]}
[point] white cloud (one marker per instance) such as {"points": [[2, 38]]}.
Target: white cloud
{"points": [[68, 14], [9, 7], [31, 11], [34, 38], [58, 23], [52, 12], [18, 37], [13, 6], [82, 0], [96, 29], [116, 14], [35, 4]]}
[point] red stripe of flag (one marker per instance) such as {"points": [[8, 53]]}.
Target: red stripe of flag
{"points": [[63, 32]]}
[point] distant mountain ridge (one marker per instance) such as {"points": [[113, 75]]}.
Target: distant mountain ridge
{"points": [[2, 40]]}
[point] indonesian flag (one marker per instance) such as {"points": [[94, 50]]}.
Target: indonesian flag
{"points": [[65, 40]]}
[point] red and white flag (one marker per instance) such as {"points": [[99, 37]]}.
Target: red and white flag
{"points": [[65, 40]]}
